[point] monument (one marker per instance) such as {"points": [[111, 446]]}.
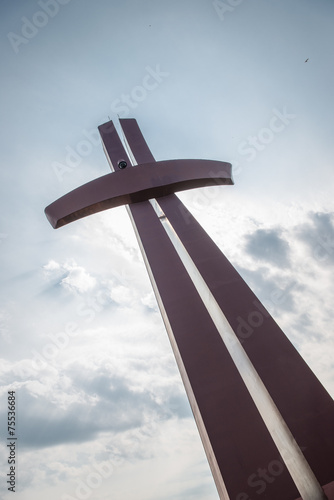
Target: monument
{"points": [[266, 422]]}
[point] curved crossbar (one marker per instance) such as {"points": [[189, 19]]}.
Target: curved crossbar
{"points": [[135, 184]]}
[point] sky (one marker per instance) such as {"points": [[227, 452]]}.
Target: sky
{"points": [[101, 409]]}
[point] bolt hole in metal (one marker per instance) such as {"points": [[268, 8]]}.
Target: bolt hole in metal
{"points": [[122, 164]]}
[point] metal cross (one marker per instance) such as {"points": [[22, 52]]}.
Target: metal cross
{"points": [[255, 401]]}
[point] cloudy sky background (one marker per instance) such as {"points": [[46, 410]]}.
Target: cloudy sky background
{"points": [[102, 412]]}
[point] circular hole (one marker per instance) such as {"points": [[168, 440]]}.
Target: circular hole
{"points": [[122, 164]]}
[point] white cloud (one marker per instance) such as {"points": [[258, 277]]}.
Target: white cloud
{"points": [[149, 301], [77, 279], [122, 295], [51, 267]]}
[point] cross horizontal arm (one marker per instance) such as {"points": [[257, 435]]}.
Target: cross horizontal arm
{"points": [[136, 184]]}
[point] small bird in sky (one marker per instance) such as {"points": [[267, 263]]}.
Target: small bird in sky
{"points": [[306, 60]]}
